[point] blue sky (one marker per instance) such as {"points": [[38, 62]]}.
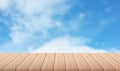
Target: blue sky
{"points": [[59, 26]]}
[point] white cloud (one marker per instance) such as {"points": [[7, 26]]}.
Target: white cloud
{"points": [[114, 50], [37, 18], [37, 6], [4, 4], [67, 44]]}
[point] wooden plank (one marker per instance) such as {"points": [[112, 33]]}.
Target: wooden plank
{"points": [[82, 64], [37, 64], [94, 66], [24, 66], [111, 60], [105, 64], [115, 56], [59, 62], [48, 64], [118, 54], [12, 66], [3, 56], [7, 61], [70, 63]]}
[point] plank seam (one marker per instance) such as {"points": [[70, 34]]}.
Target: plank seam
{"points": [[21, 62], [5, 58], [54, 61], [75, 61], [97, 62], [35, 60], [108, 61], [86, 61], [95, 57], [43, 61], [32, 62], [64, 61], [11, 62], [114, 58]]}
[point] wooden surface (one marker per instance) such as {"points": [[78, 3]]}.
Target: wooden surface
{"points": [[60, 62]]}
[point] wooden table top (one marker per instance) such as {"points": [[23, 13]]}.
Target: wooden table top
{"points": [[60, 62]]}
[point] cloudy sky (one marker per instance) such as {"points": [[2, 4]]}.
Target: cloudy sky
{"points": [[64, 26]]}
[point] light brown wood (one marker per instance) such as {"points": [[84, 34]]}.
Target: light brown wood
{"points": [[105, 64], [94, 66], [59, 62], [112, 61], [13, 65], [48, 64], [8, 60], [24, 66], [115, 56], [3, 56], [38, 62], [81, 62], [71, 65]]}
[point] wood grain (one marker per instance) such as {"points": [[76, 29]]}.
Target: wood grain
{"points": [[48, 64], [105, 64], [113, 62], [12, 66], [60, 62], [81, 62], [37, 64], [8, 60], [94, 66], [24, 66], [71, 65]]}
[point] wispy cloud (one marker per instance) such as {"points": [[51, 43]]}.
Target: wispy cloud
{"points": [[67, 44], [4, 4], [37, 18], [31, 21], [32, 7], [114, 50]]}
